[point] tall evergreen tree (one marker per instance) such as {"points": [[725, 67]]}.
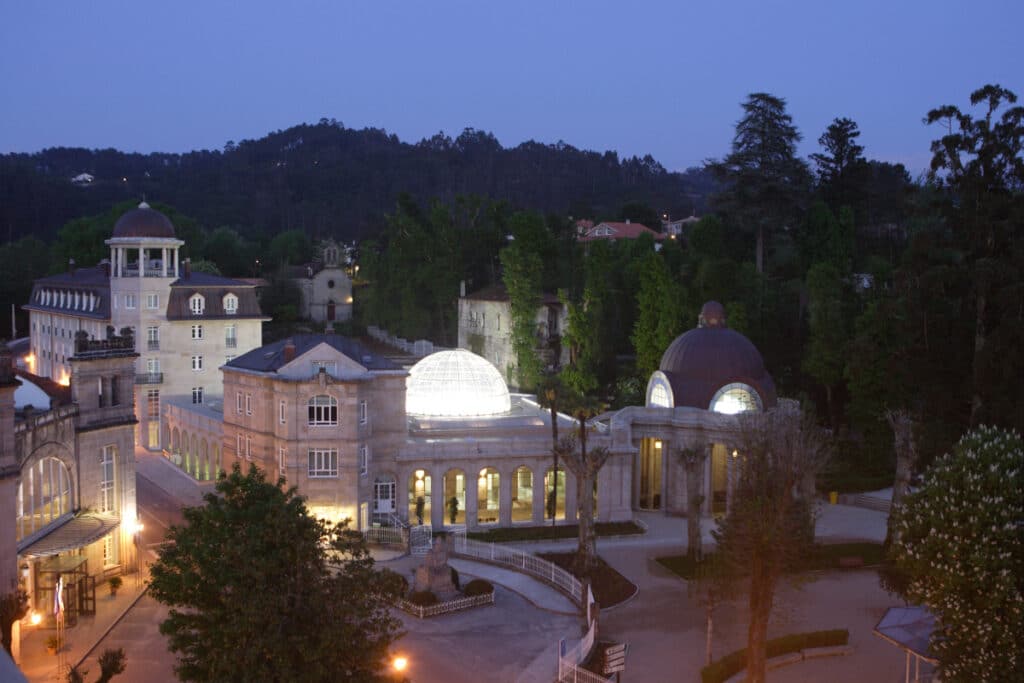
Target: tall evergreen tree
{"points": [[765, 183], [841, 163]]}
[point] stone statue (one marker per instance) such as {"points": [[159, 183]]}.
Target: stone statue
{"points": [[434, 574]]}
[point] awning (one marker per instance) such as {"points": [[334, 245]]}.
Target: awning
{"points": [[77, 532], [909, 628]]}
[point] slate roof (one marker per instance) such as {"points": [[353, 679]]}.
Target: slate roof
{"points": [[81, 281], [270, 357], [213, 288]]}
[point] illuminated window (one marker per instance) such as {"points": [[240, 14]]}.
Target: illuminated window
{"points": [[454, 383], [323, 462], [323, 411], [44, 496], [736, 398], [106, 501]]}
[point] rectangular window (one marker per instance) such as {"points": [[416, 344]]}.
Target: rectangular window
{"points": [[281, 413], [197, 331], [107, 502], [364, 459], [109, 550], [129, 301], [197, 363], [238, 446], [238, 402], [153, 404], [153, 366], [248, 447], [323, 411], [228, 359], [231, 304], [282, 460], [153, 338], [152, 301], [248, 404], [362, 412], [328, 366], [323, 462], [230, 338], [197, 394]]}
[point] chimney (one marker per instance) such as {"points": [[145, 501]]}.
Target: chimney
{"points": [[188, 267], [289, 350]]}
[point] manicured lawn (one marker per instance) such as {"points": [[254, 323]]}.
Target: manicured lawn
{"points": [[828, 556], [548, 533]]}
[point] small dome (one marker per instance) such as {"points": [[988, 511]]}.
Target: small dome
{"points": [[143, 222], [700, 363], [455, 383]]}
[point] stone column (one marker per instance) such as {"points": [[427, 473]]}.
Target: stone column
{"points": [[708, 493], [539, 495], [570, 498], [730, 473], [142, 264], [665, 451], [505, 497], [472, 494], [438, 502]]}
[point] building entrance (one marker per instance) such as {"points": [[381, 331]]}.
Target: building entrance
{"points": [[650, 474]]}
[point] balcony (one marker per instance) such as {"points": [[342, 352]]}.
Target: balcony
{"points": [[230, 342], [150, 378], [153, 345]]}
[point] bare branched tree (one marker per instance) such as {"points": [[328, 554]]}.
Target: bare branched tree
{"points": [[693, 458], [769, 530]]}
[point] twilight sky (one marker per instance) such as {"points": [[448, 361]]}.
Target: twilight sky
{"points": [[639, 77]]}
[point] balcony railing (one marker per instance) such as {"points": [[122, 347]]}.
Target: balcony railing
{"points": [[231, 342], [150, 378], [153, 345]]}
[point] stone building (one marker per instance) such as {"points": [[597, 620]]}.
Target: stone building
{"points": [[186, 324], [367, 440], [68, 475], [485, 328], [325, 285]]}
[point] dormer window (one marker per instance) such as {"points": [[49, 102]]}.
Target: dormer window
{"points": [[230, 304], [197, 304]]}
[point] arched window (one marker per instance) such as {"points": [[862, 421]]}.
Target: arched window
{"points": [[44, 495], [197, 304], [230, 304], [736, 398], [323, 410]]}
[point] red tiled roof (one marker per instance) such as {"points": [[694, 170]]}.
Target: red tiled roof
{"points": [[620, 231]]}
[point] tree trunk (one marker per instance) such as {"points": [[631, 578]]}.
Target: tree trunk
{"points": [[761, 594], [694, 465], [709, 615], [906, 454], [554, 456], [586, 552]]}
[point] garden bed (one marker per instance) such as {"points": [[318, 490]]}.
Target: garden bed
{"points": [[549, 533], [610, 587], [825, 556], [735, 662]]}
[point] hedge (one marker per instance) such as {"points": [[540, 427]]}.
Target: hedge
{"points": [[734, 662], [423, 598], [477, 587]]}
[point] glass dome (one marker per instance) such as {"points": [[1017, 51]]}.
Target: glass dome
{"points": [[455, 383]]}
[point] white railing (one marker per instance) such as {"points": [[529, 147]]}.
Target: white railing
{"points": [[569, 670], [446, 607], [523, 562], [384, 535], [420, 539]]}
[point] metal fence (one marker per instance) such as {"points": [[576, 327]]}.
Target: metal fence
{"points": [[523, 562], [384, 535], [569, 670], [446, 607]]}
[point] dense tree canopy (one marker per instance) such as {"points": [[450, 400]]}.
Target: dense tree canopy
{"points": [[959, 540], [260, 590]]}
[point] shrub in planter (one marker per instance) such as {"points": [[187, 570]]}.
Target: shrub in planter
{"points": [[115, 583], [423, 598], [477, 587], [52, 643]]}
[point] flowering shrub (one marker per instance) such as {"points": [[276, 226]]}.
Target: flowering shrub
{"points": [[960, 541]]}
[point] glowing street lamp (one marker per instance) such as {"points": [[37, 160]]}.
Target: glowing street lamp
{"points": [[400, 663]]}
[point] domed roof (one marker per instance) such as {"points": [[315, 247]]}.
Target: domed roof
{"points": [[711, 356], [455, 383], [143, 222]]}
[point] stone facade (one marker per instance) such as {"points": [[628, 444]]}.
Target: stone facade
{"points": [[325, 285]]}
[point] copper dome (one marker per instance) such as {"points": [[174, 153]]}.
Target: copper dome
{"points": [[707, 358], [143, 222]]}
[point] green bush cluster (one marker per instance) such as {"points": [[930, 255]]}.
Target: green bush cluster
{"points": [[423, 598], [734, 662], [477, 587]]}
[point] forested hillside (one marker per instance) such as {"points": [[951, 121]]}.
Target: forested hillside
{"points": [[328, 180]]}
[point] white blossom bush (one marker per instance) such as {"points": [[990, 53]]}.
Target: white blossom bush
{"points": [[960, 542]]}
